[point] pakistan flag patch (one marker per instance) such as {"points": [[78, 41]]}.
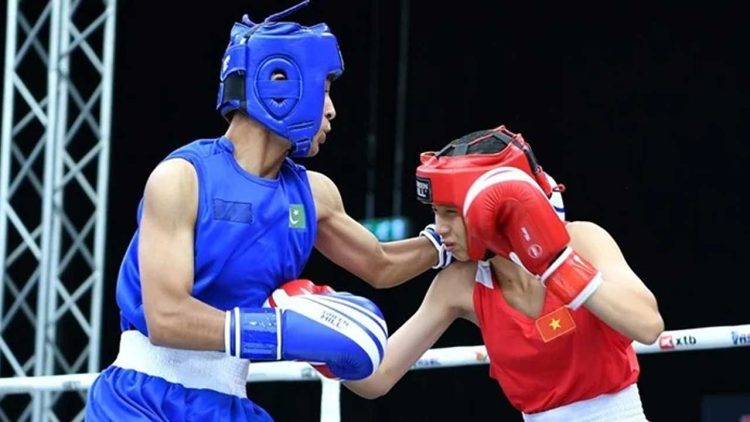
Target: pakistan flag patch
{"points": [[296, 216]]}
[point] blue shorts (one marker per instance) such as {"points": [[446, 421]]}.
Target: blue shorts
{"points": [[123, 395]]}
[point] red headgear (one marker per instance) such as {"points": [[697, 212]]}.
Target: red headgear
{"points": [[444, 177]]}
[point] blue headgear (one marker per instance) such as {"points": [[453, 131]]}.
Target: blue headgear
{"points": [[291, 107]]}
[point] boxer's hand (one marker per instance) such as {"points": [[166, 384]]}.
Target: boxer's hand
{"points": [[306, 287], [511, 216], [344, 332], [444, 257]]}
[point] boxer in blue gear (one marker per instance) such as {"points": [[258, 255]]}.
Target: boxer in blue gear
{"points": [[224, 222]]}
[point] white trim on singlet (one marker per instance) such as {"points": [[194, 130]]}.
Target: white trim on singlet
{"points": [[484, 274]]}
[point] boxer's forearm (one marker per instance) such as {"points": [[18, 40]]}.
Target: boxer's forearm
{"points": [[187, 324], [405, 347]]}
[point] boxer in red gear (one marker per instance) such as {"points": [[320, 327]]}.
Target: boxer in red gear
{"points": [[556, 302]]}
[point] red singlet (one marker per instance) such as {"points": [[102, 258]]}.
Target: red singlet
{"points": [[589, 359]]}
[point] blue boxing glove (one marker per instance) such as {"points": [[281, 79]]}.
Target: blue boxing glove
{"points": [[307, 287], [347, 333], [444, 256]]}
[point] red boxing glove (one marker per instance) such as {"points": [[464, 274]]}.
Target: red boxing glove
{"points": [[297, 287], [507, 213]]}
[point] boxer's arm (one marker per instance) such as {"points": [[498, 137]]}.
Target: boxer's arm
{"points": [[165, 253], [622, 301], [351, 246], [448, 298]]}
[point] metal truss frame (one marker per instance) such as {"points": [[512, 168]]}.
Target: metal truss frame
{"points": [[54, 165]]}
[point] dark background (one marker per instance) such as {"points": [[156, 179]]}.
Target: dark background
{"points": [[640, 110]]}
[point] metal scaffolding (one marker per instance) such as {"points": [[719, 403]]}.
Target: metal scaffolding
{"points": [[54, 160]]}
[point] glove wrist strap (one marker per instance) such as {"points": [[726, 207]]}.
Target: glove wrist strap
{"points": [[572, 279], [253, 334]]}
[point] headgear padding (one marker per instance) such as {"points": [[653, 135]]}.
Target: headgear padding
{"points": [[291, 107], [444, 177]]}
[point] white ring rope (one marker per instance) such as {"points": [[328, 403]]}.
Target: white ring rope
{"points": [[705, 338], [670, 341]]}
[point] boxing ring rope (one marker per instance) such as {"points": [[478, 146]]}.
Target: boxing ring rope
{"points": [[703, 338]]}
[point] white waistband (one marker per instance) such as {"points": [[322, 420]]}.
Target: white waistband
{"points": [[190, 368], [623, 406]]}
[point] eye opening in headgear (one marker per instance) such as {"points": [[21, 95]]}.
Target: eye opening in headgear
{"points": [[278, 75]]}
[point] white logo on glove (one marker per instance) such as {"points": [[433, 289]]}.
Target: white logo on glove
{"points": [[225, 64]]}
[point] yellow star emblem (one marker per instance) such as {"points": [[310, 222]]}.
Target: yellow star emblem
{"points": [[555, 324]]}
